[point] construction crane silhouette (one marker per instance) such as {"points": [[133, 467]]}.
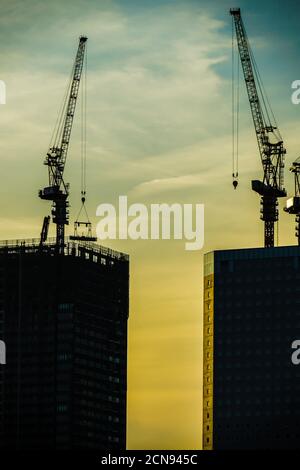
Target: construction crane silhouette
{"points": [[58, 190], [293, 203], [269, 140]]}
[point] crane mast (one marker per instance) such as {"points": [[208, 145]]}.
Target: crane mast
{"points": [[271, 153], [58, 190]]}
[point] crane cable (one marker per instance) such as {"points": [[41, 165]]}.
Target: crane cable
{"points": [[83, 142], [58, 128], [235, 92], [83, 129]]}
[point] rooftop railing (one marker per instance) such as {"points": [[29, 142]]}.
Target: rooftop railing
{"points": [[89, 250]]}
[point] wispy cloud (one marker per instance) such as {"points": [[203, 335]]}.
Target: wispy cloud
{"points": [[152, 89]]}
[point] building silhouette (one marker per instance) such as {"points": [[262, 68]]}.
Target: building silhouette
{"points": [[64, 322], [251, 388]]}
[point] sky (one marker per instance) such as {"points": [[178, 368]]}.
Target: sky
{"points": [[159, 131]]}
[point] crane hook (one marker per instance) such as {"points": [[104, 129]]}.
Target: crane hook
{"points": [[235, 181]]}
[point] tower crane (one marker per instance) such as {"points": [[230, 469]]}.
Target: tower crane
{"points": [[269, 140], [293, 203], [58, 190]]}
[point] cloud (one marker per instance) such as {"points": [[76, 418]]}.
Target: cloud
{"points": [[152, 90], [167, 184]]}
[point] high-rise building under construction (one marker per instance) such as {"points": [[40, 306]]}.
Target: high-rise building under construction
{"points": [[251, 384], [63, 317]]}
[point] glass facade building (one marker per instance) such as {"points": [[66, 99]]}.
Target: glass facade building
{"points": [[64, 323], [251, 388]]}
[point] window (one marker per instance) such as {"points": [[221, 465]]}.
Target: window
{"points": [[61, 408]]}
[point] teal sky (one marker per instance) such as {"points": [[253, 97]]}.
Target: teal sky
{"points": [[159, 130]]}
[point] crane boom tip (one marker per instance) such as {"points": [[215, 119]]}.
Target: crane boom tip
{"points": [[235, 11]]}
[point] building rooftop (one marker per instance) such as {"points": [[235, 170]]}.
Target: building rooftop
{"points": [[81, 249], [261, 252]]}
